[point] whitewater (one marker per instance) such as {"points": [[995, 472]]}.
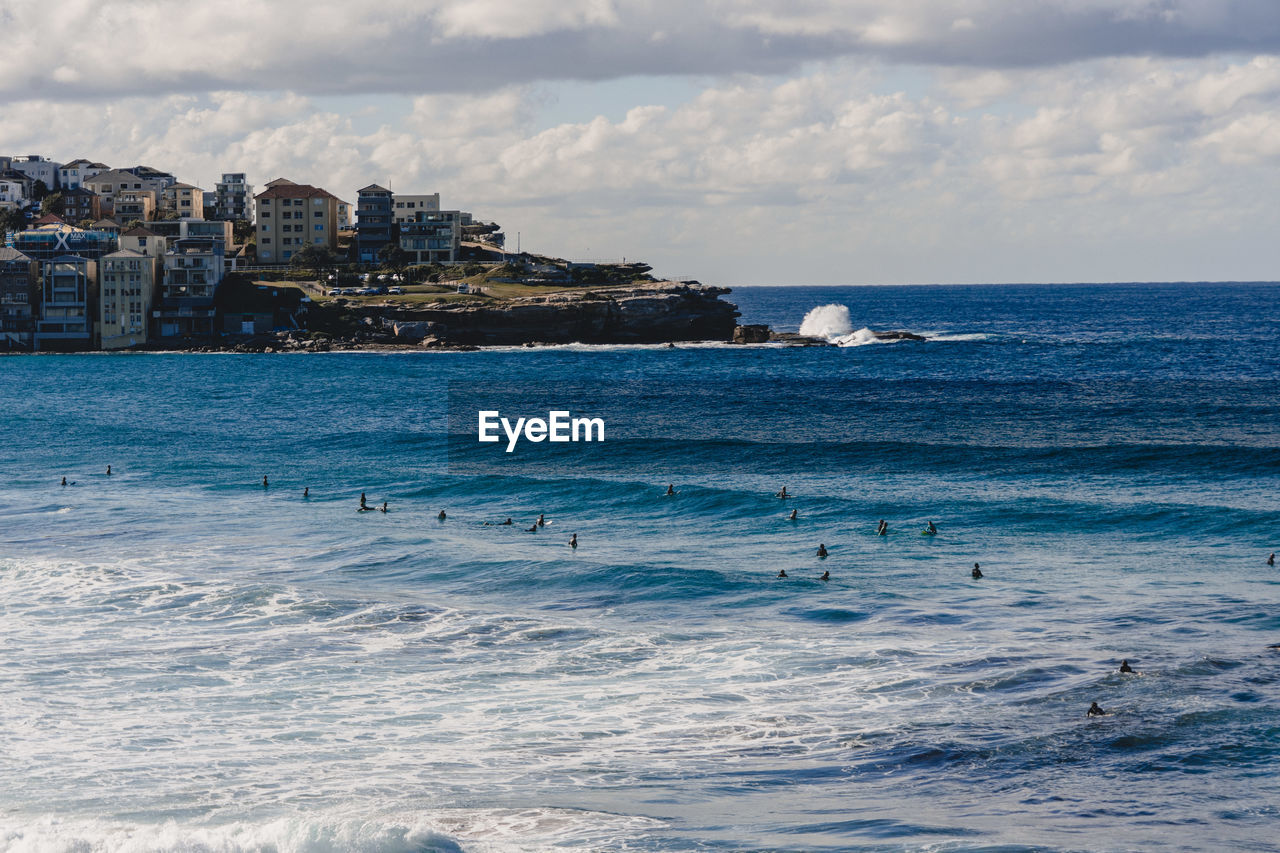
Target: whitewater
{"points": [[193, 662]]}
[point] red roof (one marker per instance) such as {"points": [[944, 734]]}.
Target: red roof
{"points": [[294, 191], [50, 219]]}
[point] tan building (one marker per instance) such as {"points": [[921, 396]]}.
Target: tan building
{"points": [[183, 199], [133, 205], [145, 242], [125, 294], [112, 182], [291, 216], [405, 208]]}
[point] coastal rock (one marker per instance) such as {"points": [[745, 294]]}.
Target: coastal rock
{"points": [[898, 336], [751, 334]]}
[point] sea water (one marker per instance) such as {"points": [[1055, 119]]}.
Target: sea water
{"points": [[190, 661]]}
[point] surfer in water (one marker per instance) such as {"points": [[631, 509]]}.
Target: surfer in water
{"points": [[264, 481], [1095, 711], [306, 491], [383, 508], [977, 571], [542, 520], [826, 576], [573, 541], [931, 529], [822, 551], [108, 470], [442, 516], [1124, 666], [64, 481], [671, 489], [362, 503], [507, 523], [1271, 561], [783, 494], [882, 529], [533, 529], [782, 573], [792, 517]]}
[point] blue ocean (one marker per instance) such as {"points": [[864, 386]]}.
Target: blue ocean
{"points": [[193, 661]]}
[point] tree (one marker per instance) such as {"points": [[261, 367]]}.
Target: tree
{"points": [[394, 258], [39, 190], [242, 231], [11, 221], [312, 257], [52, 204]]}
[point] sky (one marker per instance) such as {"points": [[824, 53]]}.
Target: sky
{"points": [[732, 141]]}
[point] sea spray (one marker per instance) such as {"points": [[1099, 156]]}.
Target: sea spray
{"points": [[831, 323]]}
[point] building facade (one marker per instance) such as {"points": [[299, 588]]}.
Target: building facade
{"points": [[80, 204], [407, 207], [68, 302], [56, 238], [291, 216], [375, 227], [37, 168], [433, 238], [144, 241], [126, 287], [185, 200], [73, 174], [193, 269], [134, 205], [19, 299], [234, 197]]}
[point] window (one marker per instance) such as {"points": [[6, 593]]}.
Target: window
{"points": [[318, 214], [319, 227], [266, 214]]}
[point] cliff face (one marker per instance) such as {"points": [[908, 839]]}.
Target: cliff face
{"points": [[656, 313]]}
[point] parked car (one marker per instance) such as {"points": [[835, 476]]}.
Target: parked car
{"points": [[396, 291], [348, 291], [335, 292]]}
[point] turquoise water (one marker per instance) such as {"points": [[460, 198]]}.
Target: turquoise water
{"points": [[193, 662]]}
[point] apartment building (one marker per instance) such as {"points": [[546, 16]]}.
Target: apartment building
{"points": [[126, 288], [68, 302], [290, 216]]}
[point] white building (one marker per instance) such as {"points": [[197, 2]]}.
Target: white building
{"points": [[13, 194], [38, 168], [405, 208], [235, 197], [72, 175], [112, 182]]}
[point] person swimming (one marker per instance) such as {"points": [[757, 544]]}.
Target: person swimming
{"points": [[442, 516], [573, 541], [1124, 666], [783, 494], [383, 508], [1271, 561], [671, 489], [822, 551], [542, 520], [792, 517], [826, 576], [931, 529], [507, 523], [264, 481], [782, 573], [306, 491], [533, 529], [882, 529], [977, 571], [64, 481], [108, 470], [1095, 711]]}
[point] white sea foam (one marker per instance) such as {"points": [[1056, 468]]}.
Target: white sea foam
{"points": [[831, 323]]}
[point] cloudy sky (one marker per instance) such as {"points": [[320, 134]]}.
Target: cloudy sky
{"points": [[734, 141]]}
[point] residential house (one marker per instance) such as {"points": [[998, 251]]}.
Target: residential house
{"points": [[80, 204], [19, 298], [127, 284], [160, 180], [73, 174], [406, 207], [112, 182], [245, 308], [291, 216], [433, 238], [13, 193], [234, 197], [37, 168], [375, 227], [193, 269], [185, 200], [68, 303], [134, 205], [144, 241]]}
